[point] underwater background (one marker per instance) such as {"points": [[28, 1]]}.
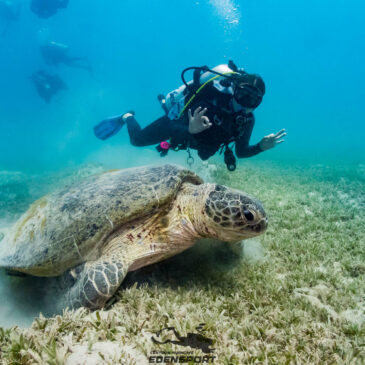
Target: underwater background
{"points": [[311, 55]]}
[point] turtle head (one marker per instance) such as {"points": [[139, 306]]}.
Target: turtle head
{"points": [[231, 215]]}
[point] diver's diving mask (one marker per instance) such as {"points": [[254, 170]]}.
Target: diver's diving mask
{"points": [[247, 95]]}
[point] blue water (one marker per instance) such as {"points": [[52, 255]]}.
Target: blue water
{"points": [[310, 53]]}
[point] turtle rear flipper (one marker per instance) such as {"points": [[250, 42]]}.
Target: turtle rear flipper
{"points": [[95, 283], [10, 272]]}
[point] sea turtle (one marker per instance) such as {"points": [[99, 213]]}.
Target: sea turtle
{"points": [[95, 231]]}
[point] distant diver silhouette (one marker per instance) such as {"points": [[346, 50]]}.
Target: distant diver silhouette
{"points": [[46, 8], [56, 53], [9, 12], [47, 85]]}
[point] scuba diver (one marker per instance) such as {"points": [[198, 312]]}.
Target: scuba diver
{"points": [[211, 113], [9, 12], [55, 53], [47, 85], [46, 8]]}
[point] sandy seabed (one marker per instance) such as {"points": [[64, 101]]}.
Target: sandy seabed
{"points": [[294, 295]]}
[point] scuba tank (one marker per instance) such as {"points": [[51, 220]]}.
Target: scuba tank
{"points": [[176, 101]]}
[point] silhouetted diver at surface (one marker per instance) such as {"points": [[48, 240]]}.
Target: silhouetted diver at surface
{"points": [[9, 12], [47, 85], [46, 8], [56, 53]]}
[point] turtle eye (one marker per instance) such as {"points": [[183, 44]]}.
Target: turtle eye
{"points": [[248, 215]]}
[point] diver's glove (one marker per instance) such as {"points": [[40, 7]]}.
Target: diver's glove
{"points": [[272, 140], [198, 122]]}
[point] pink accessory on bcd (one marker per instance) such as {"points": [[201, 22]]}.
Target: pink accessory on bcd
{"points": [[165, 145]]}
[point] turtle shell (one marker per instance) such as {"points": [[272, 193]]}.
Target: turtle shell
{"points": [[67, 227]]}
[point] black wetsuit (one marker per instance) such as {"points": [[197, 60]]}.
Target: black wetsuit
{"points": [[227, 126]]}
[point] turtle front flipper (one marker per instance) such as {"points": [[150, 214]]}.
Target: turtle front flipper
{"points": [[93, 283]]}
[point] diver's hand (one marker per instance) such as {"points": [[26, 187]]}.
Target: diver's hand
{"points": [[198, 122], [272, 140]]}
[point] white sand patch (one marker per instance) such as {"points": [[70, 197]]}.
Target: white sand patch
{"points": [[355, 316], [308, 211], [205, 170], [337, 270], [343, 196], [354, 203], [346, 281], [106, 352], [281, 277], [321, 269], [321, 289], [337, 267], [311, 295], [252, 250]]}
